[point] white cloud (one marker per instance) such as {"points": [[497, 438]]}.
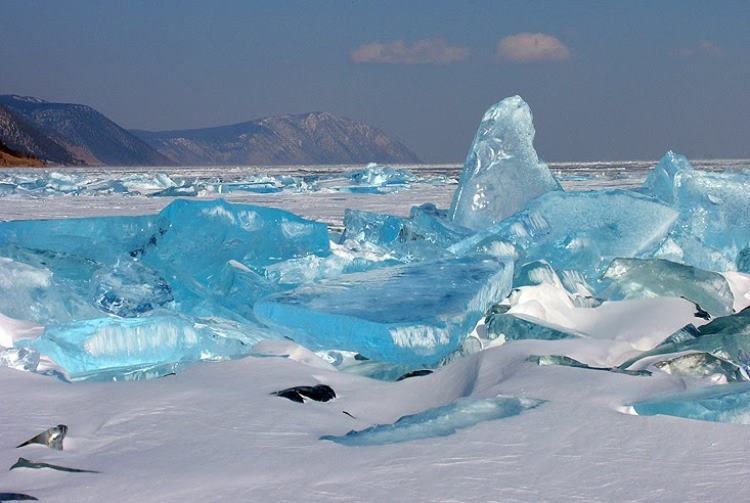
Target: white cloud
{"points": [[525, 47], [421, 52], [702, 48]]}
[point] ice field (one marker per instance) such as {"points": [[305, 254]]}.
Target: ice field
{"points": [[505, 330]]}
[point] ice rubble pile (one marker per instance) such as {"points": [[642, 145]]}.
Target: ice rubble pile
{"points": [[373, 178], [134, 297]]}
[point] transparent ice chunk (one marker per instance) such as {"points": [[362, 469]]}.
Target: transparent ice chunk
{"points": [[647, 278], [412, 314], [502, 171]]}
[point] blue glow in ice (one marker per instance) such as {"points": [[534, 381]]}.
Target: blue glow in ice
{"points": [[502, 171], [438, 422], [105, 343], [713, 228], [202, 236], [580, 231], [375, 179], [647, 278], [413, 314], [425, 234], [728, 403], [661, 180], [129, 289]]}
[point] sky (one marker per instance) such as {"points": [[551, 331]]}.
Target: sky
{"points": [[605, 80]]}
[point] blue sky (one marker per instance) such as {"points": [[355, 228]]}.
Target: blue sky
{"points": [[605, 80]]}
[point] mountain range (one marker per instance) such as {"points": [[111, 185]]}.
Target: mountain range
{"points": [[71, 134]]}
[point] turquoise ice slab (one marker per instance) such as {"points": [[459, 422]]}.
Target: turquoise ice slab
{"points": [[194, 236], [120, 343], [728, 403], [438, 422], [411, 314], [580, 231], [513, 328], [647, 278], [713, 229], [101, 239], [502, 171], [425, 234], [206, 255], [202, 236]]}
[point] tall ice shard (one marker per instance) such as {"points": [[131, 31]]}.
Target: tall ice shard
{"points": [[502, 171]]}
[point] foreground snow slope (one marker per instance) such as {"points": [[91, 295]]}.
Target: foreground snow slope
{"points": [[214, 433]]}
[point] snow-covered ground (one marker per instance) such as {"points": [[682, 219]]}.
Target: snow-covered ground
{"points": [[216, 433]]}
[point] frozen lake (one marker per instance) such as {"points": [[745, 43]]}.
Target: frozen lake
{"points": [[317, 192]]}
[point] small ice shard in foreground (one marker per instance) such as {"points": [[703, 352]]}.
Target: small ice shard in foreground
{"points": [[413, 314], [52, 438], [16, 497], [580, 232], [702, 366], [438, 422], [646, 278], [727, 403], [502, 171]]}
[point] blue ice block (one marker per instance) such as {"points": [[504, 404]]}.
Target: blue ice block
{"points": [[414, 314], [106, 343], [580, 231], [713, 229]]}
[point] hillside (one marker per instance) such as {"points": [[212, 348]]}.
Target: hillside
{"points": [[312, 138], [71, 134]]}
